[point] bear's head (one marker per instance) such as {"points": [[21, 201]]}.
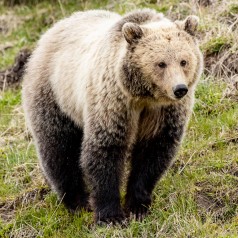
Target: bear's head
{"points": [[163, 61]]}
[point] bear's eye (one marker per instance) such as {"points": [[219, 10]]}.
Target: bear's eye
{"points": [[162, 65], [183, 63]]}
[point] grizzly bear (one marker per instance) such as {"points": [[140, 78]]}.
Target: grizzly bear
{"points": [[101, 89]]}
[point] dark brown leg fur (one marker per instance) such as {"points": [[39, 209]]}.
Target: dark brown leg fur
{"points": [[150, 160], [59, 142], [103, 155]]}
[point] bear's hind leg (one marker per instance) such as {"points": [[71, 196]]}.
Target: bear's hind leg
{"points": [[60, 153], [60, 162], [58, 142]]}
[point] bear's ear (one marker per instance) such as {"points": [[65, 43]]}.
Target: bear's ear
{"points": [[189, 24], [132, 32]]}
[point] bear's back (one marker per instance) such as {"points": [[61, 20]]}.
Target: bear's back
{"points": [[85, 25], [64, 58], [69, 39]]}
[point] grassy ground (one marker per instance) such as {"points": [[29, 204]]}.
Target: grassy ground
{"points": [[198, 197]]}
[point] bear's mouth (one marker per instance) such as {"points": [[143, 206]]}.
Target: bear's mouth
{"points": [[166, 98], [163, 97], [173, 98]]}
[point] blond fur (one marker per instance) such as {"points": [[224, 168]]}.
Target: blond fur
{"points": [[75, 73]]}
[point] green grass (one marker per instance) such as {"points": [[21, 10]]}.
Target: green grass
{"points": [[216, 44], [197, 197]]}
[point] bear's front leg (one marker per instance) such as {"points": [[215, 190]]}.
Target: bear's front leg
{"points": [[103, 152], [150, 159]]}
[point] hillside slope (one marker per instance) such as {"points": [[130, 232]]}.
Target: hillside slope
{"points": [[198, 197]]}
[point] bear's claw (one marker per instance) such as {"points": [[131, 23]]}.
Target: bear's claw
{"points": [[138, 213], [111, 219]]}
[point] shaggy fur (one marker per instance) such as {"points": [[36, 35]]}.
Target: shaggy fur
{"points": [[100, 89]]}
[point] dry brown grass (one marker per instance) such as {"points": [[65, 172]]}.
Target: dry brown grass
{"points": [[220, 34], [9, 22]]}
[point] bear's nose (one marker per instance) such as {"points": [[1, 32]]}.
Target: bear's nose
{"points": [[180, 90]]}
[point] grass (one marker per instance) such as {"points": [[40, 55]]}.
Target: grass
{"points": [[198, 197]]}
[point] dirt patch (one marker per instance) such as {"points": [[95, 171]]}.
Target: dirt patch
{"points": [[219, 201], [8, 208], [205, 3], [12, 76]]}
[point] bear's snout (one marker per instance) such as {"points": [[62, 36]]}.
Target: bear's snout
{"points": [[180, 90]]}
